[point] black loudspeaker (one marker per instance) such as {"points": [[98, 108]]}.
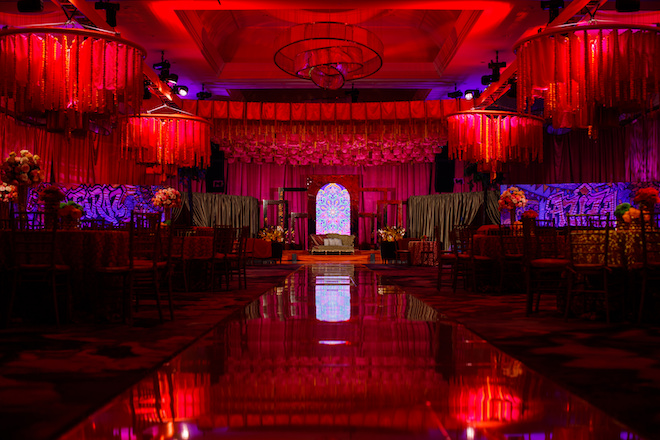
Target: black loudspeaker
{"points": [[444, 172], [215, 173]]}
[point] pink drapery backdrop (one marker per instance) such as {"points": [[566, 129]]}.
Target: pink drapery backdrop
{"points": [[263, 181]]}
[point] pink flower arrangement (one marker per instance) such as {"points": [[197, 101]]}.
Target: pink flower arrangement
{"points": [[512, 198], [167, 198], [22, 169], [647, 196], [8, 192]]}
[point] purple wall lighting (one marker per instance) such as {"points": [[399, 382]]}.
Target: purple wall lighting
{"points": [[113, 203], [558, 200]]}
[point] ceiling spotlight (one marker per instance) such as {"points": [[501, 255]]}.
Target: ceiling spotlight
{"points": [[164, 64], [110, 11], [471, 94], [625, 5], [203, 94], [30, 5], [553, 7], [180, 90], [495, 67], [170, 78], [456, 93]]}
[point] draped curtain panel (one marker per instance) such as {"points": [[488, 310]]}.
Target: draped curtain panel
{"points": [[446, 211], [77, 159], [220, 209], [576, 157]]}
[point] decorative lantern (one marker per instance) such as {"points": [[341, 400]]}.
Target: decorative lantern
{"points": [[491, 137], [80, 72], [580, 71], [167, 139]]}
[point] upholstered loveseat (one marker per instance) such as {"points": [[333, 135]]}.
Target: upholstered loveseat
{"points": [[331, 244]]}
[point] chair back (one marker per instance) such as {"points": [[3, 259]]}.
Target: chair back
{"points": [[511, 241], [28, 220], [33, 248], [223, 240], [650, 238], [462, 239], [94, 224], [240, 244], [542, 240], [144, 237], [588, 237]]}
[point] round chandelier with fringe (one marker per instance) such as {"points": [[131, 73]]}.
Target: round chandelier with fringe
{"points": [[588, 75], [328, 53], [164, 139], [489, 137], [79, 72]]}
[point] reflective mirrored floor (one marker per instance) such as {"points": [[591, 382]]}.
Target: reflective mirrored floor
{"points": [[336, 354]]}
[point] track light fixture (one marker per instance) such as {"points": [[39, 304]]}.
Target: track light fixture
{"points": [[627, 5], [495, 67], [164, 64], [180, 90], [472, 94], [110, 11], [203, 94], [456, 93], [30, 5], [553, 7]]}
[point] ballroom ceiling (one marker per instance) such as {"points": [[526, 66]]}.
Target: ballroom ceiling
{"points": [[430, 47]]}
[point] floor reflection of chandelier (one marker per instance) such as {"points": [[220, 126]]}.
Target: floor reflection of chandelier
{"points": [[328, 53]]}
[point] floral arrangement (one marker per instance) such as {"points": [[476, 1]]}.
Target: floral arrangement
{"points": [[631, 214], [512, 198], [71, 211], [51, 194], [621, 209], [22, 168], [647, 196], [167, 198], [391, 233], [530, 213], [272, 233], [8, 192]]}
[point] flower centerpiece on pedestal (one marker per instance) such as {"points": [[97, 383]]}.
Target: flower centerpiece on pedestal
{"points": [[391, 233], [70, 213], [22, 170], [51, 196], [511, 199], [8, 193], [167, 198], [388, 237], [274, 234], [647, 198]]}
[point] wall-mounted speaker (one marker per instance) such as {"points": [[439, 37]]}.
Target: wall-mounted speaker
{"points": [[215, 173], [444, 172]]}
